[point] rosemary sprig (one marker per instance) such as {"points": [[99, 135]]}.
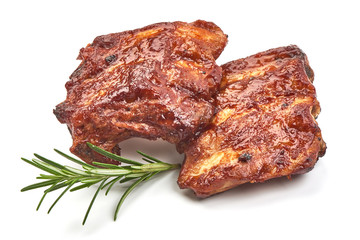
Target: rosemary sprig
{"points": [[61, 176]]}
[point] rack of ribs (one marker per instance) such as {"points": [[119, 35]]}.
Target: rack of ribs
{"points": [[154, 82], [264, 126]]}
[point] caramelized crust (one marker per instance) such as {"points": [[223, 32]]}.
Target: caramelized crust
{"points": [[264, 125], [153, 82]]}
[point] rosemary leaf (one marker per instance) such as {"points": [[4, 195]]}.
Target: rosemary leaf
{"points": [[73, 159], [57, 186], [112, 155], [126, 193], [91, 180], [151, 175], [62, 194], [45, 176], [85, 185], [39, 185], [35, 164], [126, 179], [111, 183], [48, 161], [41, 200], [93, 200], [147, 160], [47, 167], [29, 162], [149, 157]]}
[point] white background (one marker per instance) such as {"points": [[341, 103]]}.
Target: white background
{"points": [[39, 43]]}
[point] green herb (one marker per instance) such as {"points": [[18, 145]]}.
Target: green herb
{"points": [[61, 176]]}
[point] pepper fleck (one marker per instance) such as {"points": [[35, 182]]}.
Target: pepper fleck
{"points": [[245, 157], [110, 58]]}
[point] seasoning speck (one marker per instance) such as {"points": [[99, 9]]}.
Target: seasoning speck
{"points": [[245, 157], [110, 58]]}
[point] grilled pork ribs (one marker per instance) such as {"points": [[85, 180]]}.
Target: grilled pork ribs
{"points": [[154, 82], [264, 126], [250, 120]]}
